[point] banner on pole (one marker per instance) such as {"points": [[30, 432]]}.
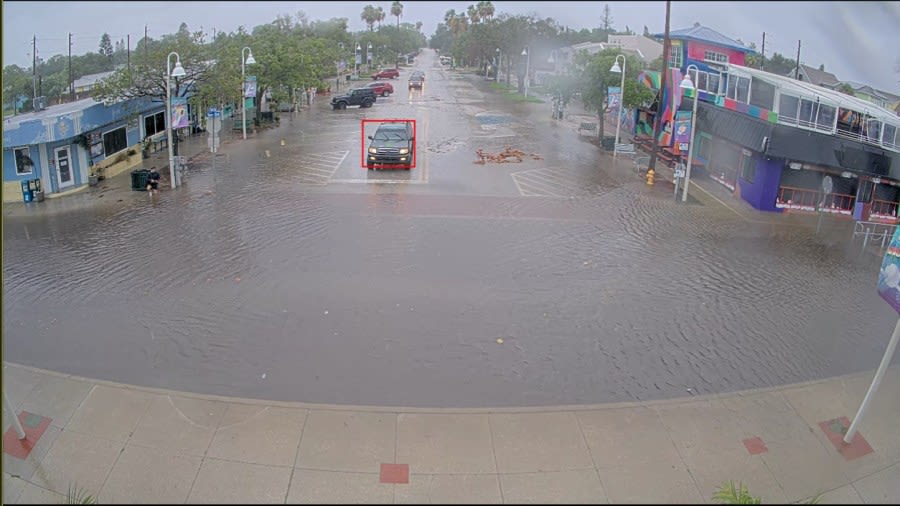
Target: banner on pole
{"points": [[683, 130], [250, 87], [179, 113], [889, 276]]}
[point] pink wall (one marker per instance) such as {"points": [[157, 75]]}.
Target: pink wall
{"points": [[696, 50]]}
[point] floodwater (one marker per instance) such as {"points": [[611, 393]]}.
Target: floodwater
{"points": [[291, 273]]}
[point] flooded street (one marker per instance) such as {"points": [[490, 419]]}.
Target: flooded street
{"points": [[292, 273]]}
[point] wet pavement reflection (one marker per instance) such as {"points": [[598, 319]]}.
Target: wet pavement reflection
{"points": [[292, 273]]}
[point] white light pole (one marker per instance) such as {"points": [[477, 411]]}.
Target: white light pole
{"points": [[356, 61], [244, 61], [687, 84], [178, 71], [369, 57], [527, 68], [615, 69], [499, 62]]}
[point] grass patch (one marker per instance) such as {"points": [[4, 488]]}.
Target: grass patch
{"points": [[510, 92]]}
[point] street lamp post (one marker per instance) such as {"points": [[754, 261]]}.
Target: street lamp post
{"points": [[527, 68], [499, 62], [244, 61], [356, 61], [615, 69], [369, 57], [178, 71], [687, 84]]}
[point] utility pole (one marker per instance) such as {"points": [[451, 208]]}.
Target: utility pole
{"points": [[34, 66], [71, 81], [797, 74], [128, 53], [146, 46], [762, 60], [667, 50]]}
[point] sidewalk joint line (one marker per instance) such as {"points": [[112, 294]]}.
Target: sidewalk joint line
{"points": [[494, 454]]}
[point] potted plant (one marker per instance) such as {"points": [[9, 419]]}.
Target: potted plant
{"points": [[145, 148], [94, 176]]}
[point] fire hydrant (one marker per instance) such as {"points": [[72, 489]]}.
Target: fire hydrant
{"points": [[650, 174]]}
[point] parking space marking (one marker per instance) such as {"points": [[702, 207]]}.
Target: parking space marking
{"points": [[319, 168], [547, 182]]}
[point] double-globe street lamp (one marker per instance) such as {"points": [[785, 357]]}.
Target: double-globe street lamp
{"points": [[619, 70], [244, 62], [687, 84], [497, 73], [356, 61], [527, 68], [178, 71]]}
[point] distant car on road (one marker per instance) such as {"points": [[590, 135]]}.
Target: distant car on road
{"points": [[392, 146], [363, 97], [387, 74], [416, 82], [418, 73], [381, 88]]}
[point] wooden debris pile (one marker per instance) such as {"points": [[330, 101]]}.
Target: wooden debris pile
{"points": [[508, 155]]}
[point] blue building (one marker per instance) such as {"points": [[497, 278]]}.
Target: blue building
{"points": [[61, 145]]}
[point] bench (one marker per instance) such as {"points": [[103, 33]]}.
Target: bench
{"points": [[587, 126]]}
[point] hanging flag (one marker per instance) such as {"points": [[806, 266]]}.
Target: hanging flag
{"points": [[179, 113], [250, 87]]}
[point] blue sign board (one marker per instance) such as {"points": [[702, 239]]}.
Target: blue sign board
{"points": [[889, 277], [213, 113]]}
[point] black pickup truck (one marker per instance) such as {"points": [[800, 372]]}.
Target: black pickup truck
{"points": [[363, 97]]}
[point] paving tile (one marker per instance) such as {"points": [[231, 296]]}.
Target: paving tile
{"points": [[539, 442], [227, 482], [148, 475], [880, 488], [258, 435], [703, 427], [769, 416], [25, 468], [32, 494], [57, 398], [34, 427], [562, 487], [331, 487], [650, 482], [630, 436], [12, 487], [347, 441], [445, 444], [755, 445], [394, 473], [804, 468], [449, 489], [836, 429], [843, 495], [18, 383], [110, 413], [179, 425], [711, 470], [77, 458]]}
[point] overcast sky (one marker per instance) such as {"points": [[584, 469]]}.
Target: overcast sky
{"points": [[858, 41]]}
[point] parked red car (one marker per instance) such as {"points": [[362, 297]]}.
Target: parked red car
{"points": [[381, 88], [387, 74]]}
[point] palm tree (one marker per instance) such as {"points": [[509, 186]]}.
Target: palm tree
{"points": [[458, 24], [369, 15], [448, 17], [486, 9], [397, 10], [472, 12], [380, 15], [419, 26]]}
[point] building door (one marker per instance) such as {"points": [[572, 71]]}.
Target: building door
{"points": [[64, 175]]}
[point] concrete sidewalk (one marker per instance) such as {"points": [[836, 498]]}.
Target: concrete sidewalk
{"points": [[127, 444]]}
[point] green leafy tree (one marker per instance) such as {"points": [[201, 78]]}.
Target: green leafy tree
{"points": [[397, 10], [606, 20], [485, 10], [106, 48], [596, 77], [380, 15], [369, 15]]}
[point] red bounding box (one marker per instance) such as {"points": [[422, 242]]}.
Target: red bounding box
{"points": [[364, 143]]}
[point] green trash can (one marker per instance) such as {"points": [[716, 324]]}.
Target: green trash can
{"points": [[609, 143], [139, 179]]}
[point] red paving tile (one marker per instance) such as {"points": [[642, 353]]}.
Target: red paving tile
{"points": [[755, 445], [394, 473], [34, 426], [835, 430]]}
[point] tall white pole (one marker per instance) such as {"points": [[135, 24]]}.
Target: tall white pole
{"points": [[621, 106], [243, 95], [20, 432], [499, 64], [527, 69], [879, 374], [169, 118], [690, 160]]}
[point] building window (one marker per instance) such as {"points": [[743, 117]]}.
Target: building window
{"points": [[743, 90], [24, 165], [154, 124], [705, 145], [748, 169], [808, 111], [712, 85], [715, 57], [114, 141], [788, 107], [675, 56], [890, 136], [763, 94], [825, 119]]}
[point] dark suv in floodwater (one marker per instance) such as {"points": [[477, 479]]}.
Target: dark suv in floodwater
{"points": [[392, 146], [363, 97]]}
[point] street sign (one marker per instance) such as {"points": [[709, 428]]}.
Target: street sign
{"points": [[213, 113], [827, 185]]}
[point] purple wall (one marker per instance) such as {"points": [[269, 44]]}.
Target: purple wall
{"points": [[762, 191]]}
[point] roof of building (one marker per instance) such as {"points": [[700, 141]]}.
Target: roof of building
{"points": [[91, 79], [701, 33], [647, 48], [50, 112], [818, 77]]}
